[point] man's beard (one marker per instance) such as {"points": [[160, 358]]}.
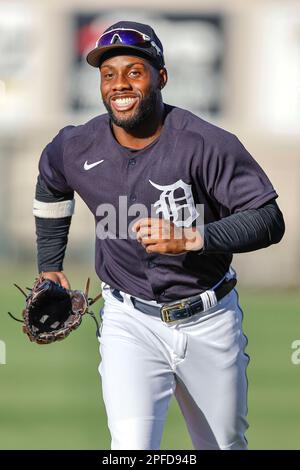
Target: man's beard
{"points": [[141, 114]]}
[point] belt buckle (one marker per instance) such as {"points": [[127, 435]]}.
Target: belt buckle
{"points": [[167, 309]]}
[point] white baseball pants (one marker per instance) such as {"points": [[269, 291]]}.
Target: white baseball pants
{"points": [[201, 360]]}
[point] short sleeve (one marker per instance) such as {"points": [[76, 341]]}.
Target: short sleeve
{"points": [[51, 164], [233, 177]]}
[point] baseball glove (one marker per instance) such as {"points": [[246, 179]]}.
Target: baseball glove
{"points": [[51, 312]]}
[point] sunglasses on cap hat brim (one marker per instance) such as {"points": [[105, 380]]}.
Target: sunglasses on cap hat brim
{"points": [[130, 38]]}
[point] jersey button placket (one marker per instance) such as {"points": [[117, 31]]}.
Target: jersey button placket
{"points": [[131, 164]]}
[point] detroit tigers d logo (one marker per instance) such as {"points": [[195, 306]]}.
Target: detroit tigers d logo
{"points": [[176, 203]]}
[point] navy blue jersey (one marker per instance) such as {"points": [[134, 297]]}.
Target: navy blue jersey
{"points": [[192, 162]]}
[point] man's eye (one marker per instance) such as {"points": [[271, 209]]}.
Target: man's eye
{"points": [[107, 76], [135, 73]]}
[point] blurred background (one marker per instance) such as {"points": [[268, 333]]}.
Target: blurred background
{"points": [[234, 63]]}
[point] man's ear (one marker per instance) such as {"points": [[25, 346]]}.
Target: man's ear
{"points": [[163, 78]]}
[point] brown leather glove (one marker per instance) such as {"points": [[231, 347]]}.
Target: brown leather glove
{"points": [[51, 312]]}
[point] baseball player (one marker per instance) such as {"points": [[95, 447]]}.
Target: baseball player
{"points": [[173, 198]]}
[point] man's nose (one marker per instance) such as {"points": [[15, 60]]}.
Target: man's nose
{"points": [[121, 83]]}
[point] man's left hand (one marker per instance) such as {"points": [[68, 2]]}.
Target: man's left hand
{"points": [[162, 236]]}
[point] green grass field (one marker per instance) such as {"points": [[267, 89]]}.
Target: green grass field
{"points": [[50, 396]]}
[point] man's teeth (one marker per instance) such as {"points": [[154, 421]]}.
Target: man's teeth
{"points": [[124, 101]]}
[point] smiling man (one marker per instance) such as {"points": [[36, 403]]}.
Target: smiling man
{"points": [[138, 102], [171, 323], [130, 88]]}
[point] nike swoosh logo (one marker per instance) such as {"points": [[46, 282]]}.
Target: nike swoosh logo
{"points": [[89, 166]]}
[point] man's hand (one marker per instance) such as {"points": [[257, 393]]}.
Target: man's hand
{"points": [[59, 277], [162, 236]]}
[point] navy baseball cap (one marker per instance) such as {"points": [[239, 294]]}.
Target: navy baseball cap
{"points": [[128, 36]]}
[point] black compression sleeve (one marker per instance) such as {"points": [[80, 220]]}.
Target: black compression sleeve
{"points": [[52, 239], [45, 194], [245, 231], [52, 234]]}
